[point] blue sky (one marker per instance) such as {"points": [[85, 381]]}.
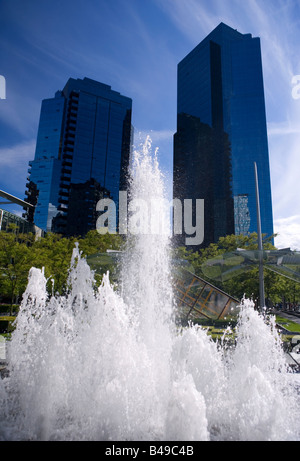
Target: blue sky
{"points": [[134, 46]]}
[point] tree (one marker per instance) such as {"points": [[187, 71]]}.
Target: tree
{"points": [[15, 262], [20, 252], [94, 243], [246, 282], [53, 253]]}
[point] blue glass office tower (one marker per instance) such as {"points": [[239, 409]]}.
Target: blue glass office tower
{"points": [[221, 132], [82, 155]]}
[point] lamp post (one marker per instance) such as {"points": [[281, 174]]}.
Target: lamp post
{"points": [[260, 245]]}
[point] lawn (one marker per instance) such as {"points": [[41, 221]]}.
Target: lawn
{"points": [[288, 324]]}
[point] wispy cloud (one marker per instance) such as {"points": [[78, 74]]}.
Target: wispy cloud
{"points": [[156, 136], [135, 46], [19, 111], [268, 20], [192, 18], [288, 230], [284, 164], [14, 164], [283, 128], [277, 24]]}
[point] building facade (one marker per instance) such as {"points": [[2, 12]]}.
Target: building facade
{"points": [[82, 155], [221, 132]]}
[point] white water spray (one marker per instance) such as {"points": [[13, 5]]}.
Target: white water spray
{"points": [[110, 364]]}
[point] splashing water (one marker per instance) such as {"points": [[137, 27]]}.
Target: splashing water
{"points": [[110, 364]]}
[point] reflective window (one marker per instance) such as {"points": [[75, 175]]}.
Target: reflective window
{"points": [[220, 88], [83, 145]]}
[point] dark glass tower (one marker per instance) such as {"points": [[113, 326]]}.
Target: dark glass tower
{"points": [[82, 155], [221, 132]]}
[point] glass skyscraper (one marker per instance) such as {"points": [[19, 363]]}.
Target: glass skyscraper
{"points": [[82, 155], [221, 132]]}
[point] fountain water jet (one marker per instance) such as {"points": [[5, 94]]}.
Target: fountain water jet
{"points": [[110, 364]]}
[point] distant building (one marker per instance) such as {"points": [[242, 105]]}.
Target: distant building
{"points": [[20, 225], [82, 155], [23, 227], [221, 132]]}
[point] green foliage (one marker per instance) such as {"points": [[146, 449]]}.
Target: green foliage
{"points": [[20, 252], [289, 325], [94, 242], [53, 253], [245, 283], [14, 264]]}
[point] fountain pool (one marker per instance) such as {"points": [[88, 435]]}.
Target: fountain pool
{"points": [[110, 364]]}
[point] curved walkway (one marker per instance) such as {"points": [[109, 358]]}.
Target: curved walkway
{"points": [[290, 315]]}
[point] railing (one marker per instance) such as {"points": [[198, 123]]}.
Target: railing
{"points": [[197, 298]]}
